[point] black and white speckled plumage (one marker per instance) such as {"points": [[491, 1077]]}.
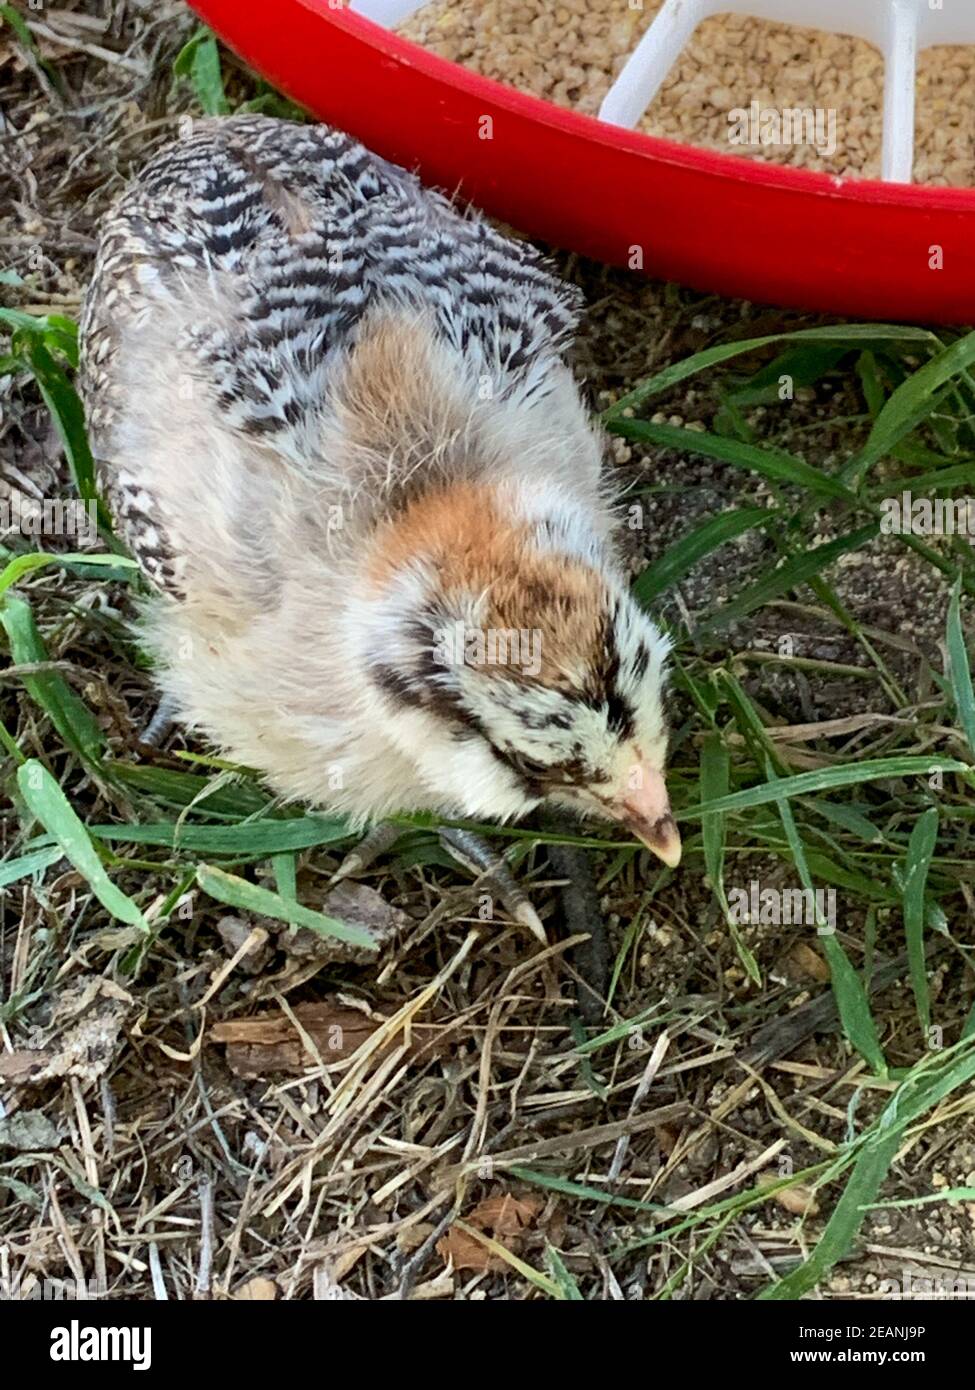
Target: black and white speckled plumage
{"points": [[305, 230], [335, 422]]}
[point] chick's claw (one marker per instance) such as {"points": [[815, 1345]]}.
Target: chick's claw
{"points": [[373, 846], [491, 870]]}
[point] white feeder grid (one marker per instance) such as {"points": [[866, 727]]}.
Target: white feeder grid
{"points": [[898, 28]]}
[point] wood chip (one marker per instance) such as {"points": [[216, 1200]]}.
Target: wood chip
{"points": [[257, 1290], [272, 1043], [798, 1199]]}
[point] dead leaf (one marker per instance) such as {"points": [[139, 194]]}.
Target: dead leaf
{"points": [[86, 1021], [411, 1238], [326, 1290], [801, 963], [461, 1251], [344, 1263], [235, 933], [667, 1137], [21, 1068], [359, 905], [503, 1216], [79, 995], [440, 1287]]}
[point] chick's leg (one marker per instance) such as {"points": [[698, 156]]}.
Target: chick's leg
{"points": [[468, 849], [491, 870], [161, 724]]}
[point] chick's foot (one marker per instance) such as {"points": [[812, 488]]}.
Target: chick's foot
{"points": [[468, 849]]}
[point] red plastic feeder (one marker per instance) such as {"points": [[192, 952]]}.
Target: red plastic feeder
{"points": [[860, 247]]}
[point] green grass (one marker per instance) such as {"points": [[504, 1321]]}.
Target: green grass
{"points": [[890, 828]]}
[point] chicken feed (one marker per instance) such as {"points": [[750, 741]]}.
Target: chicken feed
{"points": [[730, 89]]}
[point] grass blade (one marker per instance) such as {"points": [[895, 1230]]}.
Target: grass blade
{"points": [[285, 870], [183, 788], [853, 1005], [38, 559], [66, 410], [199, 60], [824, 779], [860, 334], [10, 15], [774, 464], [802, 366], [71, 718], [959, 669], [934, 1078], [36, 861], [237, 892], [715, 772], [258, 837], [568, 1287], [861, 1190], [920, 848], [45, 799], [796, 570], [56, 332], [568, 1188], [681, 557], [910, 403], [849, 818], [852, 1001]]}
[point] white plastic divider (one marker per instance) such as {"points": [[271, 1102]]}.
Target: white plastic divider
{"points": [[898, 28], [646, 68], [388, 13], [900, 82]]}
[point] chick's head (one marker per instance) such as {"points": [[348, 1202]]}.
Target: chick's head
{"points": [[512, 666]]}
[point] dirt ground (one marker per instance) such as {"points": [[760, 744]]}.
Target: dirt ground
{"points": [[183, 1161]]}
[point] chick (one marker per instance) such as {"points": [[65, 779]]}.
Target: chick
{"points": [[336, 425]]}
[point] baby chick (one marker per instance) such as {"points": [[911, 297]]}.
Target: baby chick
{"points": [[335, 422]]}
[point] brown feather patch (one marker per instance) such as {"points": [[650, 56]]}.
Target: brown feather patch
{"points": [[566, 603], [392, 393], [476, 547], [459, 530]]}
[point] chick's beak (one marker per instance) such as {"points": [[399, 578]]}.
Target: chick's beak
{"points": [[645, 810]]}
